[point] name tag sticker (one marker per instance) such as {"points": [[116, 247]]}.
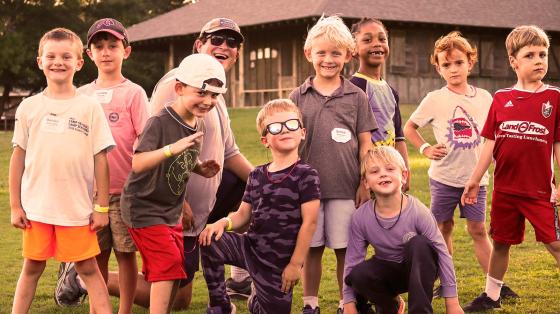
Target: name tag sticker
{"points": [[341, 135], [104, 96], [52, 124]]}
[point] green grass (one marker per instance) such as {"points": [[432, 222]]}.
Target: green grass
{"points": [[532, 272]]}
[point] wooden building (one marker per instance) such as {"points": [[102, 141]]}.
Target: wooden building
{"points": [[272, 63]]}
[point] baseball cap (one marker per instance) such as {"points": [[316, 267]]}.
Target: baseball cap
{"points": [[195, 70], [110, 26], [222, 23]]}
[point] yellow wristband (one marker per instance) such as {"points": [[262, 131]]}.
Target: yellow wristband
{"points": [[101, 209], [229, 224], [167, 151]]}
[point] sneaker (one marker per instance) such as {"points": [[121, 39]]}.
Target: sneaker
{"points": [[68, 290], [437, 292], [400, 306], [340, 311], [309, 310], [482, 303], [218, 309], [506, 293], [239, 290]]}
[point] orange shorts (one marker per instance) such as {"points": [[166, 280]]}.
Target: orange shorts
{"points": [[66, 244]]}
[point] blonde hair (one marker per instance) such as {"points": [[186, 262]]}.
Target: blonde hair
{"points": [[275, 106], [334, 30], [60, 34], [454, 40], [525, 35], [384, 155]]}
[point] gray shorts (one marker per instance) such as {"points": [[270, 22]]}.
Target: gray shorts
{"points": [[446, 198], [333, 223], [115, 235]]}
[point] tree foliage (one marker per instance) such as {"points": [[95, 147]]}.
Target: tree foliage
{"points": [[23, 22]]}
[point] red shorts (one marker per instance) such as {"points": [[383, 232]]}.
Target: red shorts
{"points": [[161, 249], [507, 219]]}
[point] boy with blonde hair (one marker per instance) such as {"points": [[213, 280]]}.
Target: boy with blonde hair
{"points": [[61, 139], [339, 123], [125, 105], [522, 133], [409, 249], [280, 205]]}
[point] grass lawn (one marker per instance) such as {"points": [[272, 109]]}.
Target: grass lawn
{"points": [[532, 272]]}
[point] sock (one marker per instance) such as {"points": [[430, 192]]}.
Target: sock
{"points": [[493, 287], [311, 301], [341, 304], [238, 274]]}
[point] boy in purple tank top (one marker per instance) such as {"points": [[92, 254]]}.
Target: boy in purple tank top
{"points": [[409, 249], [281, 205]]}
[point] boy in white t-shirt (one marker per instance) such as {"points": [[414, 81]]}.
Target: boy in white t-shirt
{"points": [[60, 144]]}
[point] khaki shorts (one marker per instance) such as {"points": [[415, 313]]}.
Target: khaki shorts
{"points": [[333, 223], [115, 235]]}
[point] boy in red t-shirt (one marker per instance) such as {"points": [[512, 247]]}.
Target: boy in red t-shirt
{"points": [[522, 132]]}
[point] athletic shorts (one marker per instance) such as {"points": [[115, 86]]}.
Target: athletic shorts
{"points": [[333, 223], [115, 235], [161, 249], [507, 218], [64, 243], [446, 198]]}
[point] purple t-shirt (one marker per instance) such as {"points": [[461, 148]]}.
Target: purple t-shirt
{"points": [[276, 198], [389, 244]]}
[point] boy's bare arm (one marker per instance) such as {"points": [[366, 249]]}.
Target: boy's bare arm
{"points": [[556, 147], [17, 166], [364, 144], [400, 146], [292, 272], [238, 220], [148, 160], [101, 172], [473, 185], [434, 152]]}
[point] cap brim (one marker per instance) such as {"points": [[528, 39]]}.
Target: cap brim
{"points": [[214, 89], [232, 31], [110, 31]]}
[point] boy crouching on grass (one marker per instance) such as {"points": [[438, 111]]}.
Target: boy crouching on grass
{"points": [[280, 204], [410, 252], [167, 154]]}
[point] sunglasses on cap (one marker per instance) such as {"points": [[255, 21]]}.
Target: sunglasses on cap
{"points": [[276, 127], [218, 40]]}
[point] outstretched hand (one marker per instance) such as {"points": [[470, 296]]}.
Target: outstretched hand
{"points": [[184, 143], [208, 168]]}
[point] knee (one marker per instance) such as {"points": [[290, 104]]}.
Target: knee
{"points": [[34, 268], [357, 278], [419, 247], [477, 230], [446, 227], [87, 268]]}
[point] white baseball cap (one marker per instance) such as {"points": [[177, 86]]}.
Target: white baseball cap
{"points": [[195, 70]]}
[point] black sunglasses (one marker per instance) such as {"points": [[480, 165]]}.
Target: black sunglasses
{"points": [[218, 40], [276, 127]]}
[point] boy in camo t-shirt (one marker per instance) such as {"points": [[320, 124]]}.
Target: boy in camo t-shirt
{"points": [[280, 204]]}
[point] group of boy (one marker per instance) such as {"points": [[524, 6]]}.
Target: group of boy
{"points": [[289, 217]]}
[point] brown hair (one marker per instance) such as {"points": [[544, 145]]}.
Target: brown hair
{"points": [[275, 106], [454, 40], [60, 34], [525, 35]]}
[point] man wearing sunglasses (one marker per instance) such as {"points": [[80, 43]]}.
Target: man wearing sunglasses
{"points": [[209, 199]]}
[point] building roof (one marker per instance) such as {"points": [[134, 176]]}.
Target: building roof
{"points": [[190, 18]]}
